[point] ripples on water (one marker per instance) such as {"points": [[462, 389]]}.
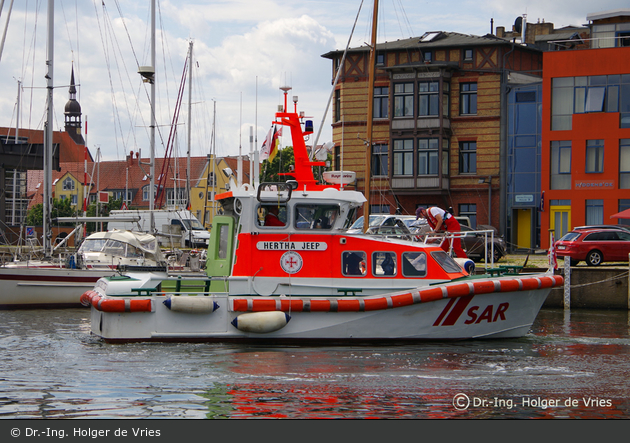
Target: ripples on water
{"points": [[52, 368]]}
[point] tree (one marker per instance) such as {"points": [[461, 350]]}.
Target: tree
{"points": [[111, 205], [280, 163], [60, 208]]}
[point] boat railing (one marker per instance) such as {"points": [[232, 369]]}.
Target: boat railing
{"points": [[488, 234]]}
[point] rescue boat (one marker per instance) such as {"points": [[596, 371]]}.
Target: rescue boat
{"points": [[282, 266]]}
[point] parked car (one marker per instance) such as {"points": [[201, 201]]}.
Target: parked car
{"points": [[624, 227], [594, 245], [474, 243]]}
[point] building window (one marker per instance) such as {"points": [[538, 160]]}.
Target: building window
{"points": [[445, 162], [381, 102], [380, 59], [560, 165], [212, 180], [338, 105], [428, 98], [594, 212], [468, 157], [337, 157], [610, 35], [594, 156], [379, 209], [468, 98], [446, 99], [68, 184], [403, 100], [379, 160], [403, 157], [145, 192], [428, 162], [74, 198], [467, 55], [598, 93], [561, 103], [427, 56], [469, 210], [624, 163]]}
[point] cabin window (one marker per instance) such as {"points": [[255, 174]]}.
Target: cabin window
{"points": [[272, 215], [315, 216], [384, 264], [414, 264], [354, 263], [446, 262]]}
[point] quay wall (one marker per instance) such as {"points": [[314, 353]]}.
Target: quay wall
{"points": [[602, 287]]}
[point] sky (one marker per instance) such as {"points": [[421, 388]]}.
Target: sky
{"points": [[243, 52]]}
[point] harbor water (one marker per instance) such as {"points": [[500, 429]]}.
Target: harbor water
{"points": [[573, 364]]}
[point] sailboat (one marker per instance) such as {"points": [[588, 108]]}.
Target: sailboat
{"points": [[50, 284]]}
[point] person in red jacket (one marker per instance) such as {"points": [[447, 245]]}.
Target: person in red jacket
{"points": [[440, 219]]}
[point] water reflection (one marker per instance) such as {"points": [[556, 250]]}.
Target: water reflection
{"points": [[573, 365]]}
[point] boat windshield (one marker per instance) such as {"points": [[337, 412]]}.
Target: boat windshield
{"points": [[375, 220], [113, 247], [192, 224], [314, 216], [446, 262]]}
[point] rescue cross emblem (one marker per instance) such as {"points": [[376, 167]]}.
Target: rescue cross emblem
{"points": [[291, 262]]}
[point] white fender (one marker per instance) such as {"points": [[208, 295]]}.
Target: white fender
{"points": [[261, 322], [191, 305], [466, 264]]}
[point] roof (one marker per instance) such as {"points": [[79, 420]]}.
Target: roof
{"points": [[69, 150], [128, 174], [594, 16], [434, 40]]}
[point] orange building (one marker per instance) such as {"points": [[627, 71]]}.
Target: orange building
{"points": [[586, 130]]}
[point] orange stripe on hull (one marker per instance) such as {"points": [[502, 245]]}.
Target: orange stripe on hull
{"points": [[375, 303], [106, 304]]}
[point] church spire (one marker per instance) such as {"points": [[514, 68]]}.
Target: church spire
{"points": [[73, 113]]}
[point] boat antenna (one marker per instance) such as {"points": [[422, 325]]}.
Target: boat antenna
{"points": [[343, 59]]}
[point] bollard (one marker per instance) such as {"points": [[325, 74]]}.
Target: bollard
{"points": [[567, 283]]}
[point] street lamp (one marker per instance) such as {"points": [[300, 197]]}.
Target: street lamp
{"points": [[489, 181]]}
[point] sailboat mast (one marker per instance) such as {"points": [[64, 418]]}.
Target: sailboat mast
{"points": [[370, 107], [153, 121], [48, 134], [190, 57]]}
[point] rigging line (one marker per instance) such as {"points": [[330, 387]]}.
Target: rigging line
{"points": [[117, 123], [63, 13], [112, 37], [124, 22], [32, 49]]}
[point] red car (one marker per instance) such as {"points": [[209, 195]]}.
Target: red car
{"points": [[594, 245]]}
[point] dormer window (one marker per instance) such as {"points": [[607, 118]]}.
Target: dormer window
{"points": [[68, 184]]}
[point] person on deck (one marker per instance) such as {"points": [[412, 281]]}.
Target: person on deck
{"points": [[272, 219], [440, 219]]}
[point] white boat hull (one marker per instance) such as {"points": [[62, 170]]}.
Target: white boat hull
{"points": [[46, 287], [401, 316]]}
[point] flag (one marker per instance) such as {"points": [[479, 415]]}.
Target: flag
{"points": [[265, 149], [553, 259], [275, 143]]}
